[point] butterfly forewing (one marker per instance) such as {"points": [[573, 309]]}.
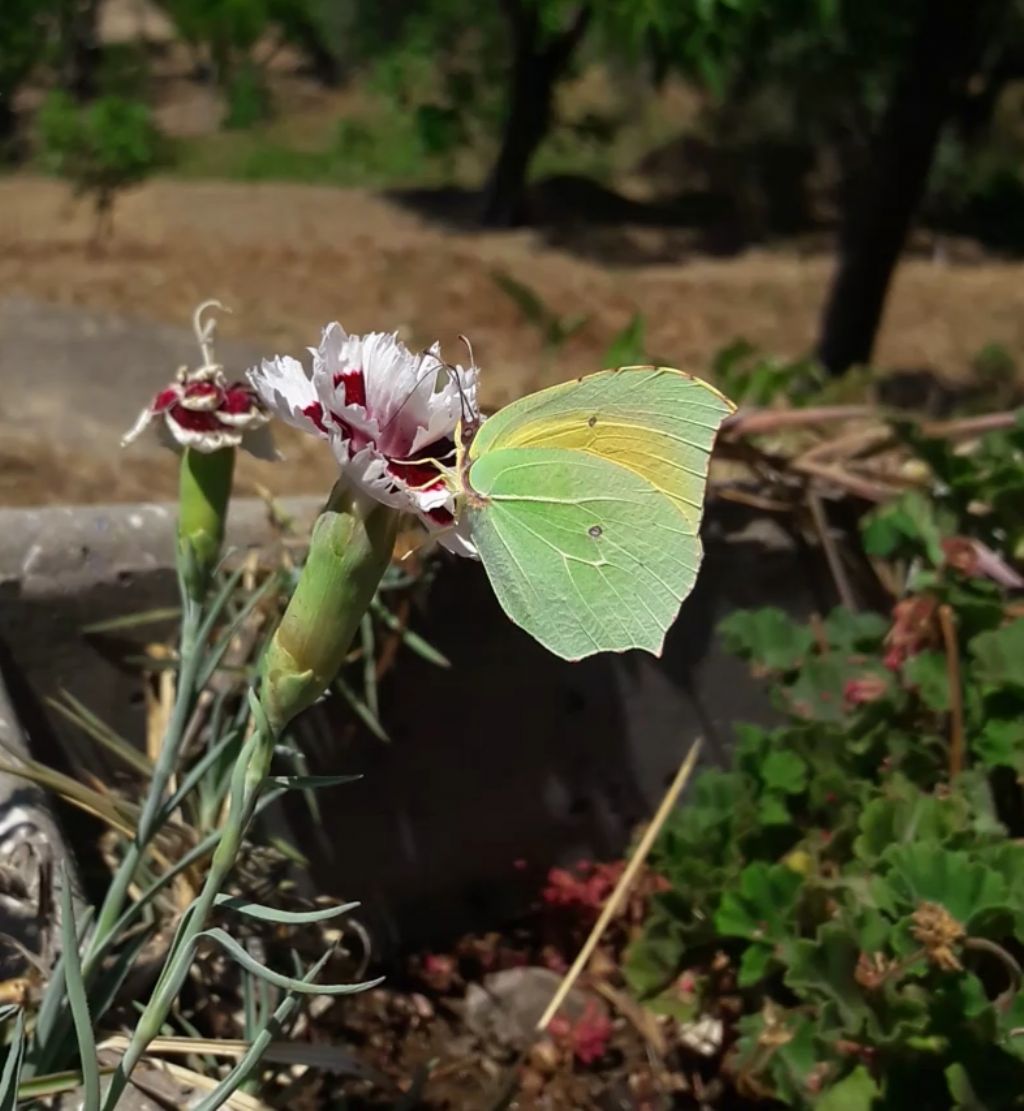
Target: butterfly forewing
{"points": [[656, 421]]}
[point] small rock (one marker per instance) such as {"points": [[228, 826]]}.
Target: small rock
{"points": [[506, 1006]]}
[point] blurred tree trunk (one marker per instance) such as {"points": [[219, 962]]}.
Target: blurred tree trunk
{"points": [[79, 47], [8, 127], [537, 65], [950, 38]]}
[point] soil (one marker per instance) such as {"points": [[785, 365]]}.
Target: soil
{"points": [[288, 258]]}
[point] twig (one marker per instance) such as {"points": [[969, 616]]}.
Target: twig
{"points": [[854, 484], [1009, 962], [956, 696], [622, 887], [969, 426], [851, 445], [835, 562], [756, 421]]}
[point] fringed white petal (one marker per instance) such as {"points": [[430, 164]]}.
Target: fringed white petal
{"points": [[285, 388]]}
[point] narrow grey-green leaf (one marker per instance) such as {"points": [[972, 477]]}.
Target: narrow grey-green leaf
{"points": [[310, 782], [11, 1076], [362, 711], [273, 1025], [77, 999], [413, 641], [196, 773], [80, 715], [53, 1083], [281, 917], [132, 620], [287, 982], [369, 664]]}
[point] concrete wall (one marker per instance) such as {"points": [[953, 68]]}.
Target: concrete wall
{"points": [[509, 756]]}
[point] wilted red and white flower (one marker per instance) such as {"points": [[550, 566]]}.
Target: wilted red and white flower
{"points": [[386, 413], [200, 409]]}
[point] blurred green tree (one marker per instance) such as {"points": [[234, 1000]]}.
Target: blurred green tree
{"points": [[100, 149]]}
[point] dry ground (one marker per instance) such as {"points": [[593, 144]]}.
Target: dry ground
{"points": [[288, 258]]}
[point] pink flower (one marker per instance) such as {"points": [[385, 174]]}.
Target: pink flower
{"points": [[914, 628], [385, 412], [202, 410], [864, 689], [588, 1036]]}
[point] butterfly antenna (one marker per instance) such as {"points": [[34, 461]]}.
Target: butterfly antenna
{"points": [[421, 378], [470, 419]]}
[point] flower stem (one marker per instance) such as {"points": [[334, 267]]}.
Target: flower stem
{"points": [[163, 770], [349, 551], [250, 770]]}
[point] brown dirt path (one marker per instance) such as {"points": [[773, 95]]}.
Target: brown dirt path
{"points": [[288, 258]]}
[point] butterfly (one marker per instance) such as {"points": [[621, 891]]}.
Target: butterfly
{"points": [[584, 503]]}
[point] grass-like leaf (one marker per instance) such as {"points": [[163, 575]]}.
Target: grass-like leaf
{"points": [[77, 999], [108, 984], [119, 815], [11, 1076], [369, 665], [250, 964], [216, 605], [81, 716], [413, 641], [196, 773], [272, 1027], [282, 917], [217, 651], [53, 1083], [132, 620], [362, 711], [309, 782]]}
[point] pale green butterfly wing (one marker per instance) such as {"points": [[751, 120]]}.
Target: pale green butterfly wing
{"points": [[657, 421], [584, 554], [588, 504]]}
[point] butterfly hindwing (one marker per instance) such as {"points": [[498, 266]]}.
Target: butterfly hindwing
{"points": [[582, 553]]}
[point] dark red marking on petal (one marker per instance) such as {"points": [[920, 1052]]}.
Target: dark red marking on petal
{"points": [[194, 420], [165, 399], [315, 413], [441, 516], [356, 436], [239, 398], [417, 472], [424, 476], [355, 386], [202, 392]]}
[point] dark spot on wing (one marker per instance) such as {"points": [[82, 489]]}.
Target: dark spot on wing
{"points": [[591, 421], [595, 531]]}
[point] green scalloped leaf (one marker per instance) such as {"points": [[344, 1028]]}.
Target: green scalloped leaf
{"points": [[929, 873], [761, 905], [857, 1091], [998, 656], [785, 771], [767, 637]]}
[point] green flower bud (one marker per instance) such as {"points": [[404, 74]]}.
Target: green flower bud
{"points": [[350, 548], [204, 493]]}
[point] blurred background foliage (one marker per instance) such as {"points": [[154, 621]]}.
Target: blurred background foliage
{"points": [[747, 121]]}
